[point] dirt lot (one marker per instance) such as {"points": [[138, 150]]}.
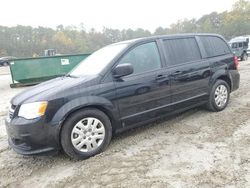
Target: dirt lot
{"points": [[194, 149]]}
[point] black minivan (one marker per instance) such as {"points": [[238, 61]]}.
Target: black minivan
{"points": [[119, 87]]}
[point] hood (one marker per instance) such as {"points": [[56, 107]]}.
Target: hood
{"points": [[48, 89]]}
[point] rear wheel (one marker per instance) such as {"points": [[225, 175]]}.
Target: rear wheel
{"points": [[244, 56], [219, 96], [86, 133]]}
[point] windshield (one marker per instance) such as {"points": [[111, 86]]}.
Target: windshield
{"points": [[97, 61]]}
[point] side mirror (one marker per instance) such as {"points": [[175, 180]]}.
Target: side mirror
{"points": [[122, 70]]}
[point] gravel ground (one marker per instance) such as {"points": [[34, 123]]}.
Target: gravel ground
{"points": [[197, 148]]}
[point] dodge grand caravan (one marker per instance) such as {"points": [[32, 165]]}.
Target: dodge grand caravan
{"points": [[119, 87]]}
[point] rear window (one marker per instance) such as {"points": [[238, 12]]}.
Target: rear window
{"points": [[181, 50], [215, 46]]}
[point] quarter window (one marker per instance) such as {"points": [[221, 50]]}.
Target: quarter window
{"points": [[143, 58], [215, 46], [183, 50]]}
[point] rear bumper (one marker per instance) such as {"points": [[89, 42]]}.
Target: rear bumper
{"points": [[30, 137], [235, 79]]}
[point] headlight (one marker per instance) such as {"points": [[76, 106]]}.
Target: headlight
{"points": [[32, 110]]}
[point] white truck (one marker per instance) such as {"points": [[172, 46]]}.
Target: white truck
{"points": [[241, 47]]}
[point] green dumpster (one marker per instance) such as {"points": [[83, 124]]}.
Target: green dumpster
{"points": [[30, 71]]}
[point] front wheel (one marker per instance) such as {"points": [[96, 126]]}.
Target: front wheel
{"points": [[86, 133], [219, 96]]}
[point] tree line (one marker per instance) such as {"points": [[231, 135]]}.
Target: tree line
{"points": [[26, 41]]}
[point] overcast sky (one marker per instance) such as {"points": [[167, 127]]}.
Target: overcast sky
{"points": [[116, 14]]}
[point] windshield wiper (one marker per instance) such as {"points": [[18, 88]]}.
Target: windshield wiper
{"points": [[71, 76]]}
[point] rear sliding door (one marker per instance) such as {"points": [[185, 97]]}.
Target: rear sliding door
{"points": [[189, 73]]}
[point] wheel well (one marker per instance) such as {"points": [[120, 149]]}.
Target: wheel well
{"points": [[226, 79], [105, 111]]}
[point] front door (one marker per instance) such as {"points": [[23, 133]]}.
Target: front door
{"points": [[139, 95]]}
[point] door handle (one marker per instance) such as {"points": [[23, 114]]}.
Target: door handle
{"points": [[176, 73], [160, 77]]}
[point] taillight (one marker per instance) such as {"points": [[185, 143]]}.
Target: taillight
{"points": [[236, 62]]}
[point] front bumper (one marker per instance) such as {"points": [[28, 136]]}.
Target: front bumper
{"points": [[30, 137]]}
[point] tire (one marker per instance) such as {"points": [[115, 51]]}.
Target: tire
{"points": [[86, 133], [219, 96], [244, 56], [5, 64]]}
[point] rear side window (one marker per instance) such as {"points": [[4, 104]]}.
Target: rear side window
{"points": [[234, 45], [181, 50], [215, 46]]}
